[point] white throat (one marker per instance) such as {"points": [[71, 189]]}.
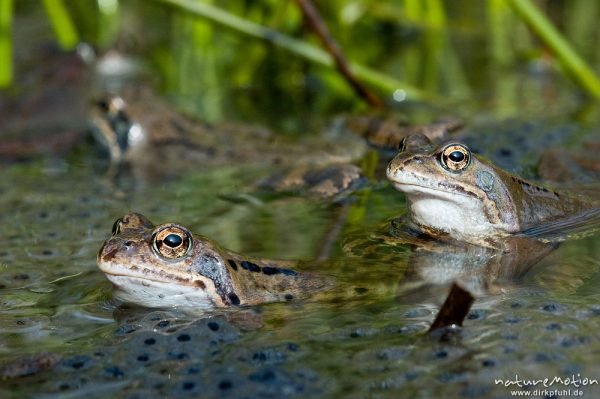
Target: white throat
{"points": [[160, 294], [461, 216]]}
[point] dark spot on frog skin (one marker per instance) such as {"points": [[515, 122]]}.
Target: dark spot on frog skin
{"points": [[232, 263], [233, 298], [110, 255], [288, 297], [253, 267], [268, 270], [200, 284], [225, 384]]}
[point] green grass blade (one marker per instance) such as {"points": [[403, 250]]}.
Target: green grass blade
{"points": [[61, 24], [500, 28], [550, 36], [6, 12], [305, 50]]}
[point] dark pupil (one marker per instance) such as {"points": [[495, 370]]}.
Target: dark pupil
{"points": [[103, 104], [173, 240], [456, 156]]}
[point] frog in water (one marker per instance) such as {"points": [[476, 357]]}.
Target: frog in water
{"points": [[451, 192], [166, 265], [144, 133], [138, 129]]}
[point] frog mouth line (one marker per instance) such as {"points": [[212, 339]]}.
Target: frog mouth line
{"points": [[199, 284], [141, 278], [426, 189]]}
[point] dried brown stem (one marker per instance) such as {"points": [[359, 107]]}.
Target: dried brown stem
{"points": [[318, 25]]}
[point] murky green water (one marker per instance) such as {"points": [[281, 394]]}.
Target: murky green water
{"points": [[365, 338]]}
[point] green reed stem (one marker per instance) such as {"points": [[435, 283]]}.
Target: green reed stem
{"points": [[500, 31], [550, 36], [6, 12], [63, 27], [305, 50]]}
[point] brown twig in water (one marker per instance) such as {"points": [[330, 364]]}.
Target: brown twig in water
{"points": [[454, 309], [318, 25]]}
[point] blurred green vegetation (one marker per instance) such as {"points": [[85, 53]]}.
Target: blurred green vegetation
{"points": [[224, 59]]}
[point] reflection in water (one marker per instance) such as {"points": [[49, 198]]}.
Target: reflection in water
{"points": [[481, 270], [434, 264]]}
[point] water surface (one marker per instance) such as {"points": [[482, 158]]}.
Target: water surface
{"points": [[365, 338]]}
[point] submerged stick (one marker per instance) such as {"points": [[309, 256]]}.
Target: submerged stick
{"points": [[318, 25], [455, 308]]}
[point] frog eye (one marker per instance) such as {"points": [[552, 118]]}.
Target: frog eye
{"points": [[402, 145], [455, 157], [103, 105], [116, 229], [172, 242]]}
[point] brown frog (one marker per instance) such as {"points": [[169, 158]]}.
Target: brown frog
{"points": [[452, 192], [166, 265], [387, 134], [145, 133]]}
